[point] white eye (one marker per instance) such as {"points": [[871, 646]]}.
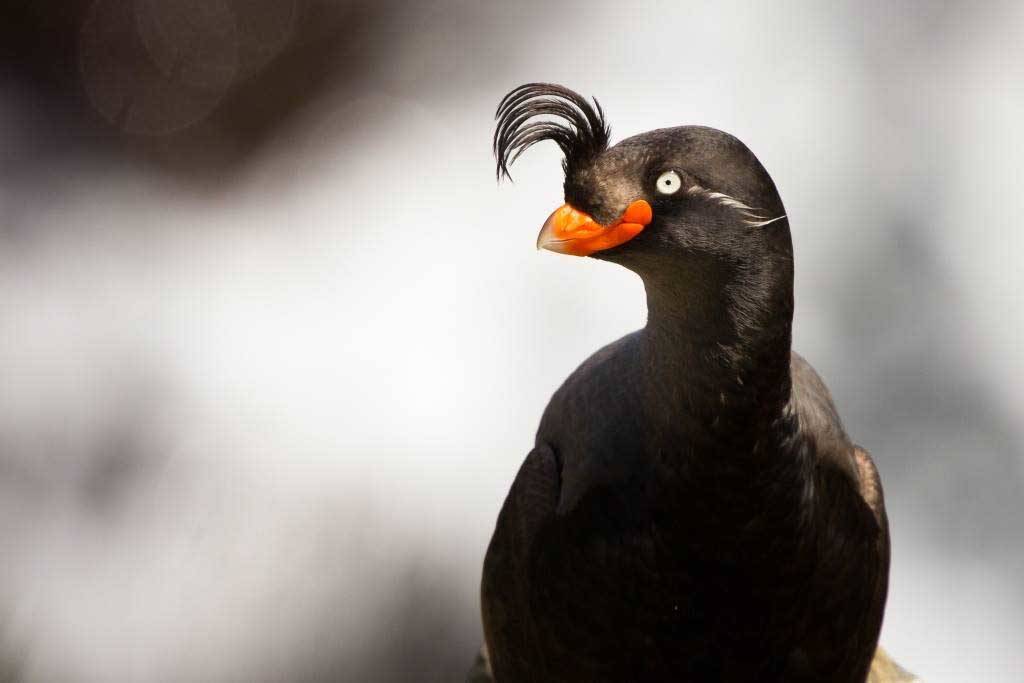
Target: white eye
{"points": [[669, 182]]}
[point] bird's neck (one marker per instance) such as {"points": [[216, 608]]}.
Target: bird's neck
{"points": [[716, 371], [716, 348]]}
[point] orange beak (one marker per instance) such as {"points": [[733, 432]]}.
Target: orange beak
{"points": [[570, 231]]}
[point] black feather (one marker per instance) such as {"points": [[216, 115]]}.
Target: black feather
{"points": [[583, 136]]}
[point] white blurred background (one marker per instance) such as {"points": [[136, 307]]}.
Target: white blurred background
{"points": [[273, 342]]}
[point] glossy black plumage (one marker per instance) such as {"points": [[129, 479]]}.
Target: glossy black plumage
{"points": [[692, 509]]}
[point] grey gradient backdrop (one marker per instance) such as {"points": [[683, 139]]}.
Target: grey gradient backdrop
{"points": [[273, 342]]}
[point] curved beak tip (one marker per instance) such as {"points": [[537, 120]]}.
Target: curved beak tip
{"points": [[571, 231]]}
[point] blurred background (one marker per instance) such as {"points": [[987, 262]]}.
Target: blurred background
{"points": [[273, 342]]}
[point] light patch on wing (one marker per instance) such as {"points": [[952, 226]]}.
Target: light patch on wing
{"points": [[753, 216], [870, 488]]}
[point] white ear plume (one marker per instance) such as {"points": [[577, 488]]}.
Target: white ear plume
{"points": [[753, 217]]}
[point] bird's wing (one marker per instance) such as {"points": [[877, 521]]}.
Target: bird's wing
{"points": [[812, 403], [505, 590], [883, 669]]}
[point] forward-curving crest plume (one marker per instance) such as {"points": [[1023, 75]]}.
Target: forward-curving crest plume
{"points": [[583, 135]]}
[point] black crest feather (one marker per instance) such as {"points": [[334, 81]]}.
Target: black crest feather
{"points": [[583, 135]]}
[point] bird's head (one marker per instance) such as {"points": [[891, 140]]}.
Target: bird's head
{"points": [[655, 202]]}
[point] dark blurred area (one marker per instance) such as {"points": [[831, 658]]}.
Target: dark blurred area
{"points": [[273, 344], [192, 87]]}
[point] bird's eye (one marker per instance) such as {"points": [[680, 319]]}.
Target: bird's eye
{"points": [[669, 182]]}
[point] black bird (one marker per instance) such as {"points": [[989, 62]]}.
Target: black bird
{"points": [[692, 509]]}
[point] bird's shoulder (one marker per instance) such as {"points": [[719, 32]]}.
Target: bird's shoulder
{"points": [[820, 428], [580, 404], [811, 403], [592, 421], [606, 370]]}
